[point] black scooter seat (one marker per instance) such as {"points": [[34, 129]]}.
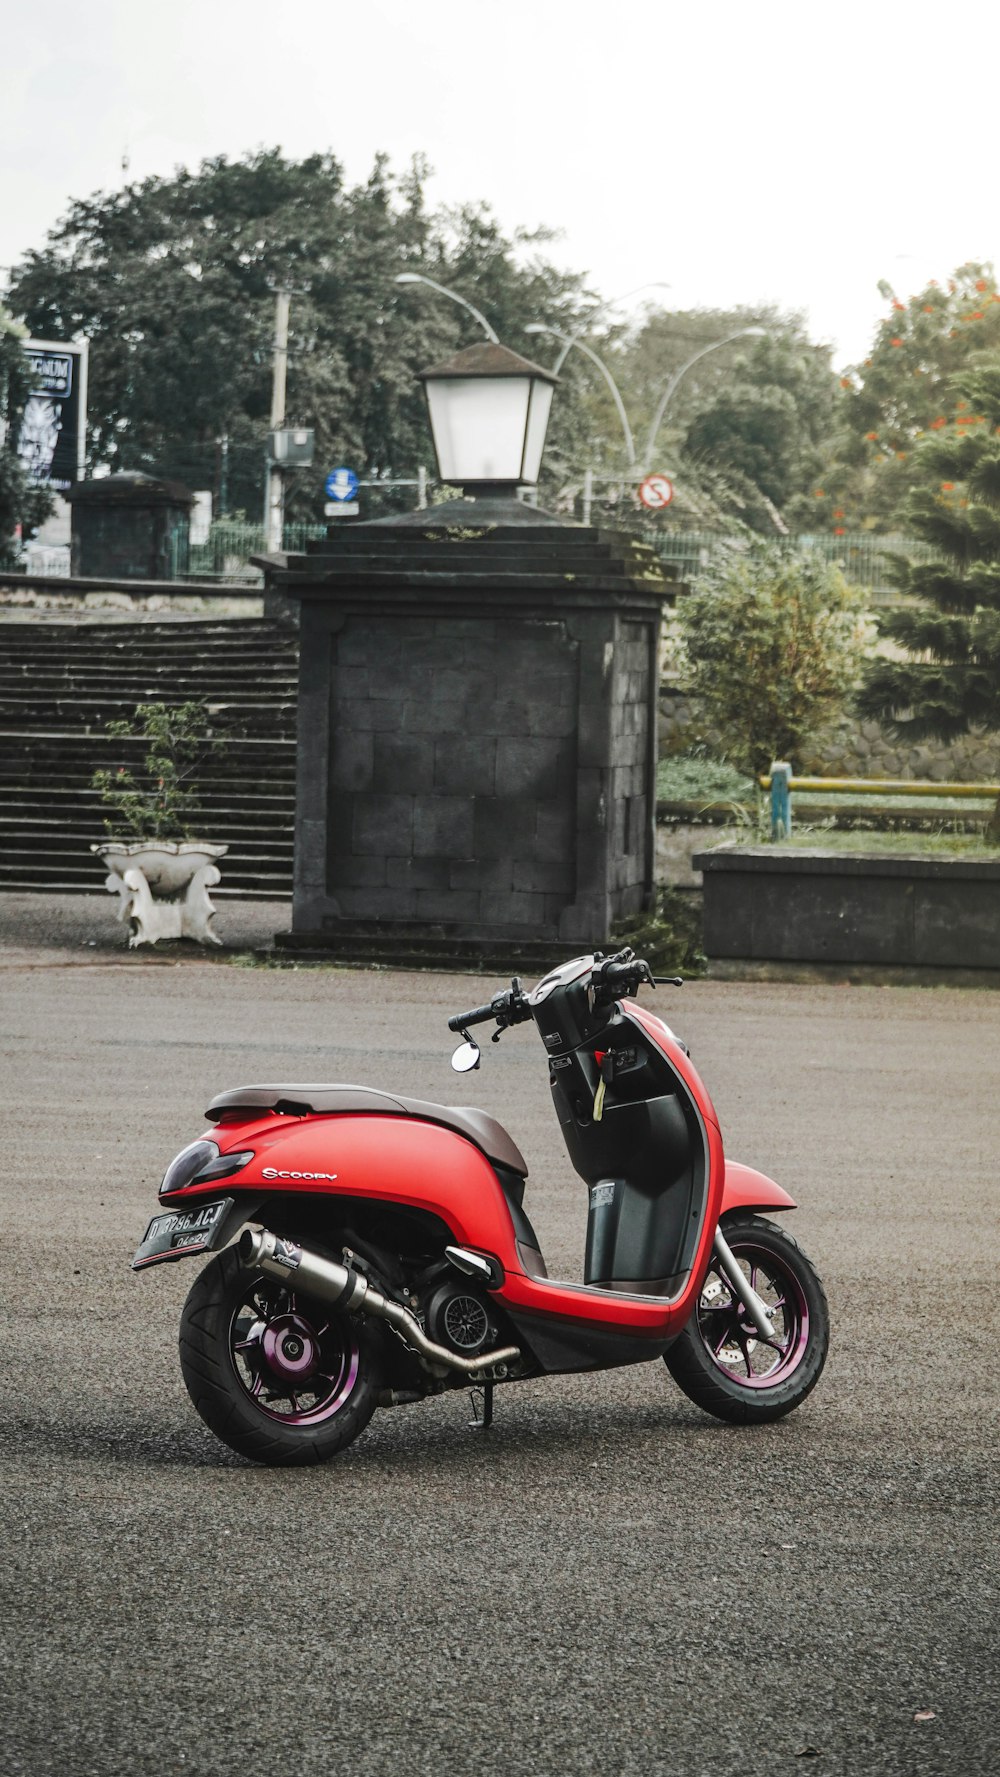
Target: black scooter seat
{"points": [[477, 1126]]}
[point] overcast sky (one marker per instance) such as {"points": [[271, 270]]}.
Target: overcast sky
{"points": [[782, 152]]}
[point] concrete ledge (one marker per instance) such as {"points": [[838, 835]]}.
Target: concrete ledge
{"points": [[775, 905], [849, 974]]}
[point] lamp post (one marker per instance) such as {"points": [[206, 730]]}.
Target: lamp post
{"points": [[657, 421], [274, 484], [572, 339], [416, 277], [488, 409]]}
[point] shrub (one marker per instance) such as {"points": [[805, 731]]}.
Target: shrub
{"points": [[158, 804], [771, 642]]}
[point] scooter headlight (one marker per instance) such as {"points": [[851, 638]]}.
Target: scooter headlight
{"points": [[199, 1163]]}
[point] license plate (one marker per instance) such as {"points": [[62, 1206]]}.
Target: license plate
{"points": [[179, 1232]]}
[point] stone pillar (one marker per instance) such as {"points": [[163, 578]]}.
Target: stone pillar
{"points": [[477, 732], [130, 527]]}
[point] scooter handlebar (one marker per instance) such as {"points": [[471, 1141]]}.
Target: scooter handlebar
{"points": [[479, 1015], [509, 1006]]}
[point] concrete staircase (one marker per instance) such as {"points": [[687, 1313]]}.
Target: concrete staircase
{"points": [[61, 682]]}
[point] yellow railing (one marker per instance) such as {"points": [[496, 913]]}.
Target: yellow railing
{"points": [[883, 786]]}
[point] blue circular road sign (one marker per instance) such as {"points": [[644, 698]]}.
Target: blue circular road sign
{"points": [[341, 484]]}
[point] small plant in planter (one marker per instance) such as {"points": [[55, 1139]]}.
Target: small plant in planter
{"points": [[161, 874]]}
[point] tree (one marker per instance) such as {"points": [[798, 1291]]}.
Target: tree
{"points": [[904, 391], [771, 641], [22, 505], [748, 425], [173, 281], [768, 425], [950, 682]]}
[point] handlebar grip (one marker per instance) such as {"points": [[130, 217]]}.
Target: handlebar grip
{"points": [[622, 974], [478, 1016]]}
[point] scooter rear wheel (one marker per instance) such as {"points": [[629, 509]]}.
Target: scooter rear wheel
{"points": [[720, 1360], [275, 1375]]}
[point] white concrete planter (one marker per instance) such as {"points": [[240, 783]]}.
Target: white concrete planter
{"points": [[163, 885]]}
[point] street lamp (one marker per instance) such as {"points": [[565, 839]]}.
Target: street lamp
{"points": [[488, 409], [572, 339], [657, 421], [416, 277], [601, 309]]}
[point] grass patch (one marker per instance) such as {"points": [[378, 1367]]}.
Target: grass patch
{"points": [[915, 844], [951, 805], [689, 779]]}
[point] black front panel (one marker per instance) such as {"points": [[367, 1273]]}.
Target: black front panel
{"points": [[562, 1346], [643, 1157]]}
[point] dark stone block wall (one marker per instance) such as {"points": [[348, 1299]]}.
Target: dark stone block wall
{"points": [[130, 527], [452, 771], [774, 905], [476, 735]]}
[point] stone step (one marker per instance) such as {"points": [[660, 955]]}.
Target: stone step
{"points": [[135, 672], [83, 711], [375, 943], [61, 683], [57, 885], [51, 742], [58, 653], [74, 830], [47, 802], [175, 629], [34, 862]]}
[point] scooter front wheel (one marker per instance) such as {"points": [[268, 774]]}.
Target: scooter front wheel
{"points": [[275, 1375], [721, 1361]]}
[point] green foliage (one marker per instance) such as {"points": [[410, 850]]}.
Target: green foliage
{"points": [[748, 421], [771, 643], [161, 802], [173, 281], [20, 502], [947, 680], [669, 936], [698, 777]]}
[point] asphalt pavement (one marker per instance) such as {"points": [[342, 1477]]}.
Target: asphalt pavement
{"points": [[607, 1582]]}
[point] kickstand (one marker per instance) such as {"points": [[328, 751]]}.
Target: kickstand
{"points": [[481, 1421]]}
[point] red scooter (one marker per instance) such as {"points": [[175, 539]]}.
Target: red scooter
{"points": [[384, 1253]]}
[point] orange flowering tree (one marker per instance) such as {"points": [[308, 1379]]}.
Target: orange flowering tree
{"points": [[948, 682], [904, 391]]}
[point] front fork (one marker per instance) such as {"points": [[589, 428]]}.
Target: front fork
{"points": [[755, 1305]]}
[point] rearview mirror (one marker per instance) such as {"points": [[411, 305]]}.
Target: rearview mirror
{"points": [[466, 1057]]}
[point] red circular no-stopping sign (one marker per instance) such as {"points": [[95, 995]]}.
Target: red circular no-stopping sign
{"points": [[656, 491]]}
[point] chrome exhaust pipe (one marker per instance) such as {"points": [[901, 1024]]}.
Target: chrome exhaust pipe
{"points": [[353, 1294]]}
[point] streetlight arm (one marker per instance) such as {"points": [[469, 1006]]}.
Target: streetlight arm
{"points": [[601, 309], [570, 340], [416, 277], [657, 421]]}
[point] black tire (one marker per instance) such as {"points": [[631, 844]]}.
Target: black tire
{"points": [[278, 1378], [720, 1360]]}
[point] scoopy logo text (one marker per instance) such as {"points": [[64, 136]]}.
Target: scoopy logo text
{"points": [[276, 1172]]}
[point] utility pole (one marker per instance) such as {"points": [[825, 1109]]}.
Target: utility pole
{"points": [[274, 481]]}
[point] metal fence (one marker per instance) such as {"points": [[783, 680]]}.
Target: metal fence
{"points": [[226, 554], [862, 557]]}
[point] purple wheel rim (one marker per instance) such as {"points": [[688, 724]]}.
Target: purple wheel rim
{"points": [[729, 1335], [297, 1366]]}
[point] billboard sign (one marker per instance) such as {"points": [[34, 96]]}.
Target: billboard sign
{"points": [[54, 427]]}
